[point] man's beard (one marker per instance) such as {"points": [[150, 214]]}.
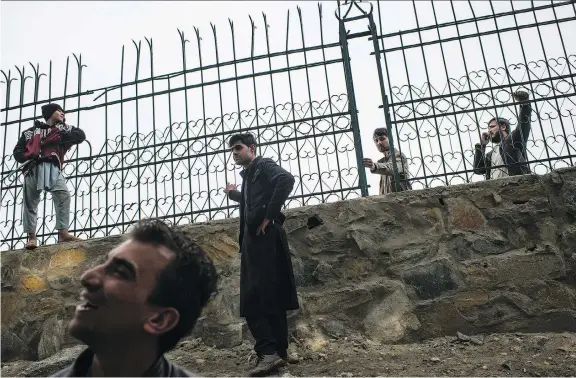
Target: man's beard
{"points": [[243, 161], [495, 138]]}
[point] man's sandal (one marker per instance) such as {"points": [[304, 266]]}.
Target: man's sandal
{"points": [[68, 239], [31, 244]]}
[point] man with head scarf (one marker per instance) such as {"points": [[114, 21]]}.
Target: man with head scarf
{"points": [[41, 149]]}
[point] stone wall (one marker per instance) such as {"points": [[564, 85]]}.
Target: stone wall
{"points": [[488, 257]]}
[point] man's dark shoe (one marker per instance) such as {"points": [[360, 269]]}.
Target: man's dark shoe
{"points": [[267, 364]]}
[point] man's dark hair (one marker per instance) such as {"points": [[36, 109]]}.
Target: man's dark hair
{"points": [[381, 131], [186, 283], [246, 139], [501, 121]]}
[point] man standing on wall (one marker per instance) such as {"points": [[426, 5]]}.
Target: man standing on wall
{"points": [[509, 152], [385, 168], [42, 148], [267, 287]]}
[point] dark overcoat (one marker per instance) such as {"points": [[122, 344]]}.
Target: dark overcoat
{"points": [[266, 275]]}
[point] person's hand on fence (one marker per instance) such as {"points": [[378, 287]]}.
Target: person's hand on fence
{"points": [[230, 187], [521, 96], [368, 163]]}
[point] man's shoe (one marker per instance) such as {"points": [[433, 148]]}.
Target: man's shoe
{"points": [[267, 364], [288, 358]]}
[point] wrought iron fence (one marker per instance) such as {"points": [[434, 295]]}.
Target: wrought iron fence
{"points": [[157, 142], [157, 145], [446, 78]]}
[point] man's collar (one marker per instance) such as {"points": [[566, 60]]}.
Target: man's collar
{"points": [[82, 364], [42, 125], [245, 171]]}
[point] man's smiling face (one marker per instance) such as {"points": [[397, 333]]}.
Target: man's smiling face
{"points": [[115, 296]]}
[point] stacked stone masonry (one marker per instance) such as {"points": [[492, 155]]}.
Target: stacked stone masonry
{"points": [[494, 256]]}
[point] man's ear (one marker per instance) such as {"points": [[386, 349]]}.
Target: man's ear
{"points": [[162, 321]]}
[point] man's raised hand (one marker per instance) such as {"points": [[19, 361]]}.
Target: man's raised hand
{"points": [[521, 96]]}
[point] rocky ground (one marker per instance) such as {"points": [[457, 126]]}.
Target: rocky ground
{"points": [[517, 354]]}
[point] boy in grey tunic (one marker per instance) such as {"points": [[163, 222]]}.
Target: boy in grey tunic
{"points": [[42, 148], [385, 168]]}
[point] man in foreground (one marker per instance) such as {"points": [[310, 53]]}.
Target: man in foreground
{"points": [[139, 303], [42, 149], [508, 156], [267, 287], [385, 168]]}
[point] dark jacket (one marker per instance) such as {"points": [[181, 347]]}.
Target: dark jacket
{"points": [[43, 142], [269, 187], [161, 368], [512, 148], [267, 284]]}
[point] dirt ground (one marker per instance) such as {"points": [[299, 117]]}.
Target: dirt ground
{"points": [[490, 355], [515, 354]]}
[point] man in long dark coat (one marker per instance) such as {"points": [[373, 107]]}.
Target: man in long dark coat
{"points": [[267, 288]]}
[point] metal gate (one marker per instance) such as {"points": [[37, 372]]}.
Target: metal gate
{"points": [[157, 143], [458, 67]]}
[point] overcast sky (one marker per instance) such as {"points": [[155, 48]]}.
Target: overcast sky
{"points": [[40, 32]]}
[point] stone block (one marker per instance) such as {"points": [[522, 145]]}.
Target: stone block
{"points": [[222, 335], [463, 215], [511, 268], [51, 337], [12, 346], [431, 279], [391, 319]]}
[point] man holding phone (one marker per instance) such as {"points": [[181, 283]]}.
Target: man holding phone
{"points": [[508, 156]]}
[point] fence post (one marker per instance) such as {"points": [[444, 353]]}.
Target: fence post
{"points": [[353, 109], [374, 37]]}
